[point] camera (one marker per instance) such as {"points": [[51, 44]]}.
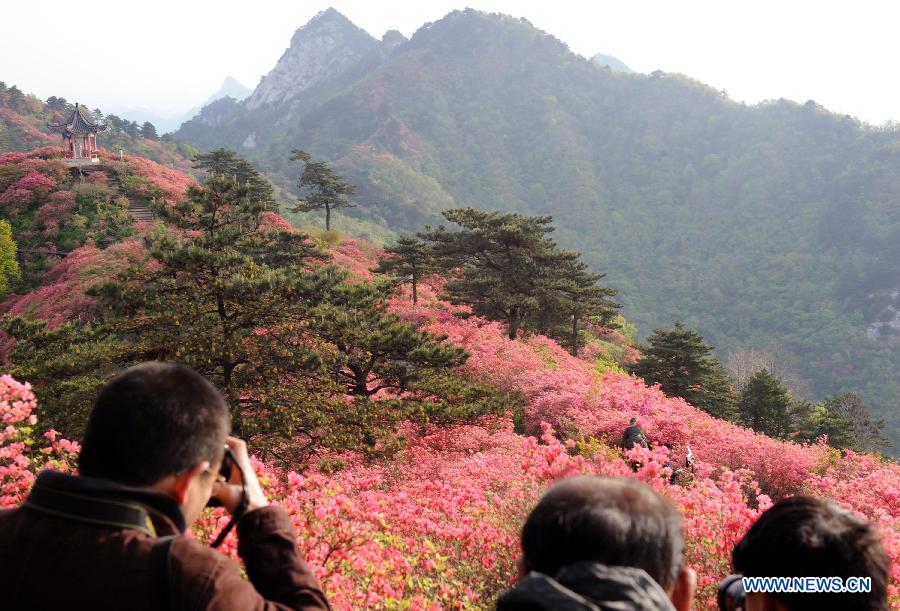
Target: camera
{"points": [[229, 464], [732, 596]]}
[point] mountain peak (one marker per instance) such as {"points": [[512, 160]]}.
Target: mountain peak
{"points": [[230, 88], [614, 63], [323, 48], [329, 20]]}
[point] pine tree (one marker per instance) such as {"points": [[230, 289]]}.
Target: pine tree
{"points": [[573, 296], [836, 426], [765, 405], [377, 351], [148, 131], [407, 261], [507, 269], [298, 352], [325, 188], [866, 432], [221, 293], [681, 362]]}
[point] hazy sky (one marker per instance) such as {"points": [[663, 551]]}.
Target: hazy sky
{"points": [[171, 55]]}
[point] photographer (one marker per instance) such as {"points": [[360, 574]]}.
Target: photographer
{"points": [[804, 536], [111, 538], [595, 543]]}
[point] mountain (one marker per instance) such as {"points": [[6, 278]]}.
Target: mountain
{"points": [[613, 62], [163, 121], [325, 56], [230, 89], [774, 226], [170, 121]]}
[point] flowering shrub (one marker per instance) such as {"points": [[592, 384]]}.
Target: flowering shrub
{"points": [[20, 456], [61, 296], [436, 526], [56, 211], [98, 178], [30, 188], [173, 183], [275, 222]]}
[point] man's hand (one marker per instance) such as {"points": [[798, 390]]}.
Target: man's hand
{"points": [[230, 494]]}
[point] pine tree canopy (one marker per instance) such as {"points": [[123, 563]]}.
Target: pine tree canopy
{"points": [[765, 405], [681, 362], [323, 188], [506, 268]]}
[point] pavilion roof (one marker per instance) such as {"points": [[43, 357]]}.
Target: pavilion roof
{"points": [[76, 124]]}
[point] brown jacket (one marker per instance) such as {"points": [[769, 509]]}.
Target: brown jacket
{"points": [[83, 543]]}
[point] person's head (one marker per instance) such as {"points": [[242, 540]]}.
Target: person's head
{"points": [[161, 426], [803, 536], [634, 421], [612, 521]]}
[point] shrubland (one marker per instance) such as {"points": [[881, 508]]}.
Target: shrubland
{"points": [[430, 519]]}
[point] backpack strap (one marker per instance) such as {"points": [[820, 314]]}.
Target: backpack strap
{"points": [[159, 572]]}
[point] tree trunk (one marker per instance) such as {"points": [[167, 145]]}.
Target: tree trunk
{"points": [[415, 298], [327, 217], [514, 323], [574, 335]]}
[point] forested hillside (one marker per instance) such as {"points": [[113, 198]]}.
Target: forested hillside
{"points": [[410, 448], [24, 118], [775, 227]]}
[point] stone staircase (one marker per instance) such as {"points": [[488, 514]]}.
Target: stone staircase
{"points": [[140, 213]]}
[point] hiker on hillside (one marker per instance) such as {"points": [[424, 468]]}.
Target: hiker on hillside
{"points": [[634, 436], [680, 475]]}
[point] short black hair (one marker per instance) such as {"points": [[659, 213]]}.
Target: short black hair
{"points": [[804, 536], [613, 521], [153, 420]]}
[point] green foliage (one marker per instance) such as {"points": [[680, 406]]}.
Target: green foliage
{"points": [[407, 260], [324, 188], [761, 226], [507, 269], [148, 131], [9, 265], [681, 362], [864, 433], [225, 296], [765, 405], [24, 127], [574, 296], [375, 350], [299, 353], [65, 365]]}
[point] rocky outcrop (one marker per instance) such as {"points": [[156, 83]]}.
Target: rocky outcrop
{"points": [[391, 40], [325, 48], [887, 324]]}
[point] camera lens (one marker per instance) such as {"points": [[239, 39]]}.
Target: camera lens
{"points": [[227, 466]]}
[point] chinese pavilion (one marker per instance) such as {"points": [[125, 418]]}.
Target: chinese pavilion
{"points": [[79, 137]]}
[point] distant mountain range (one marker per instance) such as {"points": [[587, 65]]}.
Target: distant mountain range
{"points": [[613, 62], [774, 226], [168, 122]]}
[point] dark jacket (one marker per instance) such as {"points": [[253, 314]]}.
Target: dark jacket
{"points": [[83, 543], [634, 436], [587, 586]]}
